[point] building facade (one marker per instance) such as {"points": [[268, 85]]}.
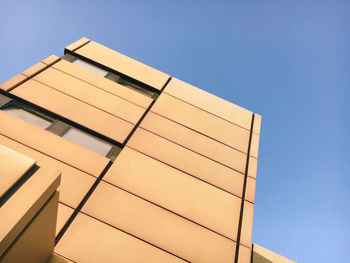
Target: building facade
{"points": [[152, 169]]}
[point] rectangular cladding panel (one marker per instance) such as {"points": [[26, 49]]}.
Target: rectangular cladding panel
{"points": [[55, 258], [250, 189], [158, 226], [103, 83], [194, 141], [89, 240], [254, 145], [257, 124], [263, 255], [11, 83], [75, 110], [209, 102], [37, 241], [123, 64], [51, 145], [244, 255], [50, 60], [18, 210], [25, 75], [13, 166], [176, 191], [63, 214], [34, 69], [247, 224], [202, 121], [252, 167], [187, 161], [91, 95], [77, 44], [74, 183]]}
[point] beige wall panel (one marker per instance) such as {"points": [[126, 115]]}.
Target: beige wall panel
{"points": [[50, 60], [201, 121], [187, 161], [252, 167], [34, 69], [77, 44], [52, 145], [91, 95], [247, 224], [103, 83], [254, 145], [244, 254], [158, 226], [17, 211], [250, 189], [9, 84], [264, 255], [194, 141], [209, 102], [89, 240], [77, 111], [257, 123], [55, 258], [13, 166], [176, 191], [63, 214], [74, 183], [124, 64], [36, 243]]}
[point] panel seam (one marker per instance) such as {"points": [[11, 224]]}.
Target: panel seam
{"points": [[61, 118], [101, 88], [192, 129], [178, 169], [185, 147], [141, 119], [170, 211], [82, 203], [243, 192], [143, 240], [89, 104], [30, 147], [240, 126]]}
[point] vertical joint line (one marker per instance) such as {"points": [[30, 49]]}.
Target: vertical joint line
{"points": [[251, 254], [166, 83], [244, 190], [143, 116], [82, 203]]}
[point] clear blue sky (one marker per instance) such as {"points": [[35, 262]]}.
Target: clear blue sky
{"points": [[286, 60]]}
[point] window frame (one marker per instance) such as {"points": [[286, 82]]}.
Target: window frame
{"points": [[58, 126], [117, 77]]}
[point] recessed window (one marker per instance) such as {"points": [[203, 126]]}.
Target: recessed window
{"points": [[88, 141], [129, 84], [28, 116], [116, 77], [59, 127], [90, 67]]}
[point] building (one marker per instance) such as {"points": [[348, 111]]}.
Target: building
{"points": [[151, 169]]}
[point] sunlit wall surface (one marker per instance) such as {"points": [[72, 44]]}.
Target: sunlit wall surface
{"points": [[153, 169]]}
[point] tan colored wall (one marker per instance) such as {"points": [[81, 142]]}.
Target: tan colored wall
{"points": [[28, 209], [263, 255], [182, 187]]}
